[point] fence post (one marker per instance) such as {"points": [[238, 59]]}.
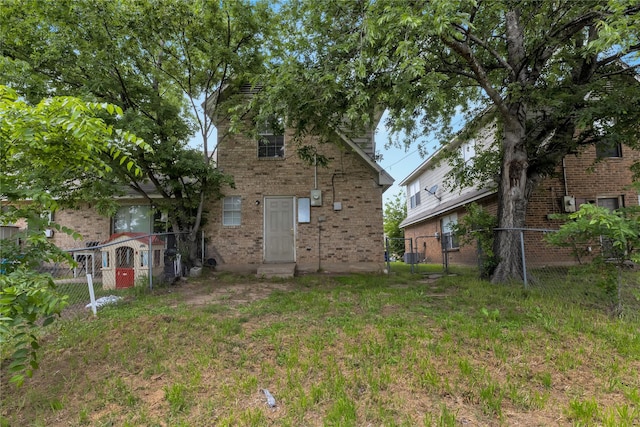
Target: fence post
{"points": [[445, 252], [524, 259], [92, 295], [387, 254], [150, 257], [412, 253]]}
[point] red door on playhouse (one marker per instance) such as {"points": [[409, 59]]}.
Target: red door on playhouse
{"points": [[125, 274]]}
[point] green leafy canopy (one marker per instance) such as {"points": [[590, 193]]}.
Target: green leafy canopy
{"points": [[50, 153]]}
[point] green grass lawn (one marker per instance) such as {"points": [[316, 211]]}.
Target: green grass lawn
{"points": [[352, 350]]}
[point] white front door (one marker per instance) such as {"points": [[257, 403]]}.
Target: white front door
{"points": [[279, 239]]}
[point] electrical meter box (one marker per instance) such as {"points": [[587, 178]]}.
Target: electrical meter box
{"points": [[568, 203], [316, 198]]}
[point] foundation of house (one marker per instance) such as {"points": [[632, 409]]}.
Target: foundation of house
{"points": [[285, 270]]}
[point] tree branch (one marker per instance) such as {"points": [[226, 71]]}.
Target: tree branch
{"points": [[619, 55], [481, 77], [494, 53]]}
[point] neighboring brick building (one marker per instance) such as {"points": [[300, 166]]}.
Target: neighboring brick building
{"points": [[283, 210], [579, 179], [133, 215]]}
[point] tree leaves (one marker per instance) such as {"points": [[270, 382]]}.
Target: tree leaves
{"points": [[25, 297], [49, 150], [150, 66], [395, 211], [57, 142], [588, 226], [547, 69]]}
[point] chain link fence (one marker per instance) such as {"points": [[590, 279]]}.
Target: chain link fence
{"points": [[586, 275], [147, 260], [589, 274], [114, 269]]}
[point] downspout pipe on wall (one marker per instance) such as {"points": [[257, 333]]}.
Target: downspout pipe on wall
{"points": [[315, 172], [564, 178]]}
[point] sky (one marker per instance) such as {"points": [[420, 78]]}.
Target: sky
{"points": [[398, 161]]}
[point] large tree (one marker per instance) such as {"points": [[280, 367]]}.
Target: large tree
{"points": [[158, 61], [547, 70]]}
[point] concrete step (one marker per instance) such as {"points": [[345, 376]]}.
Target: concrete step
{"points": [[284, 270]]}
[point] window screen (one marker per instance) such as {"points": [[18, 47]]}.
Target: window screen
{"points": [[231, 211]]}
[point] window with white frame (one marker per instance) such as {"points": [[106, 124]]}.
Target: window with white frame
{"points": [[468, 151], [449, 239], [144, 258], [414, 194], [271, 140], [231, 211], [105, 260]]}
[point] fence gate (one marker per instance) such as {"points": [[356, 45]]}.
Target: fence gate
{"points": [[414, 256]]}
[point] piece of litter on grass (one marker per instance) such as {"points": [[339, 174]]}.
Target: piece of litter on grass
{"points": [[271, 401], [111, 299]]}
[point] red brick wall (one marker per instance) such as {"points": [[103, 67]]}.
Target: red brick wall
{"points": [[347, 240], [430, 248], [585, 180]]}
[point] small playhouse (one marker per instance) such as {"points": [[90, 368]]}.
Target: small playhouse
{"points": [[126, 258]]}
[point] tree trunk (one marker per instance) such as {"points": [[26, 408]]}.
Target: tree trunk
{"points": [[513, 195]]}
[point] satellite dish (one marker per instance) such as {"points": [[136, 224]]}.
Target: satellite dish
{"points": [[432, 191]]}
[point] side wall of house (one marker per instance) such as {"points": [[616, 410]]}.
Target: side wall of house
{"points": [[85, 220], [584, 182], [92, 226], [579, 177], [348, 239], [429, 247], [434, 178]]}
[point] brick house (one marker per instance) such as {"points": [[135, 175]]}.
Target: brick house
{"points": [[281, 210], [594, 175], [286, 211], [133, 215]]}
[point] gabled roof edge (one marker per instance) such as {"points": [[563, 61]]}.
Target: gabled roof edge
{"points": [[446, 207], [384, 179]]}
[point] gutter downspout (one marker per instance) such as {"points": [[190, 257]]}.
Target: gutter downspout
{"points": [[564, 178]]}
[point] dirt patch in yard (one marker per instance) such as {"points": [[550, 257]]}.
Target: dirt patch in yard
{"points": [[194, 293]]}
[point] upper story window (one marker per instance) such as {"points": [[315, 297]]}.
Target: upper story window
{"points": [[604, 150], [468, 151], [271, 139], [604, 146], [414, 194]]}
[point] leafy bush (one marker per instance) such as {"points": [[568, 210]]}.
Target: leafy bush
{"points": [[28, 299], [477, 227], [616, 233]]}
